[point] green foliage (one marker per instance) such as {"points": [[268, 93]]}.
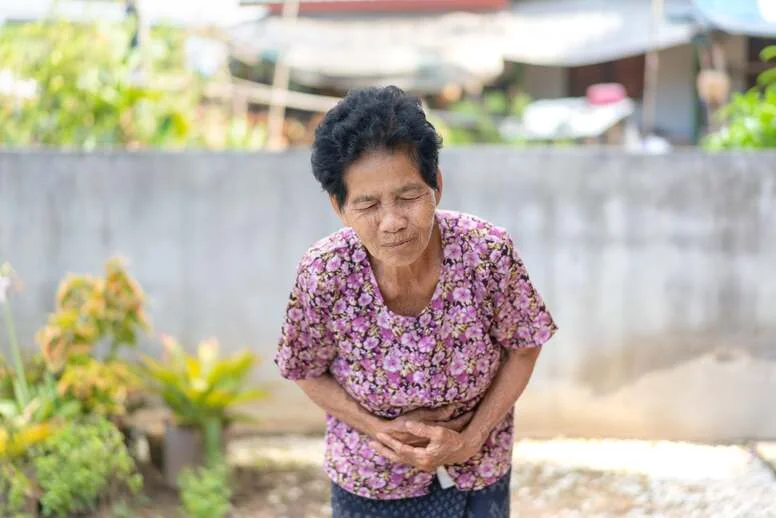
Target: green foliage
{"points": [[203, 387], [478, 118], [90, 310], [205, 492], [750, 117], [89, 88], [84, 466], [15, 489], [88, 91]]}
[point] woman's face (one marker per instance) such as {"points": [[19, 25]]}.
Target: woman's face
{"points": [[389, 206]]}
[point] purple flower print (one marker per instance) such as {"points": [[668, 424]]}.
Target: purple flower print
{"points": [[426, 344], [340, 306], [458, 365], [365, 299], [360, 325], [295, 314], [359, 256], [392, 363], [487, 469], [462, 295], [336, 322], [334, 264], [420, 377]]}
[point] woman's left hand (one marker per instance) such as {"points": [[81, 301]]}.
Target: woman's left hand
{"points": [[445, 447]]}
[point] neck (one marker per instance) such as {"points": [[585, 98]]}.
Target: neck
{"points": [[418, 271]]}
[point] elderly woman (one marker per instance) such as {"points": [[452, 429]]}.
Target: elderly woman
{"points": [[414, 329]]}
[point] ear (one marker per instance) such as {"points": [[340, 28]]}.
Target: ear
{"points": [[440, 184], [336, 207]]}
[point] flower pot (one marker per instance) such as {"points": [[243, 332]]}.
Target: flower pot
{"points": [[184, 446]]}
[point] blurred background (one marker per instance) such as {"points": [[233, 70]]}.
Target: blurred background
{"points": [[156, 195]]}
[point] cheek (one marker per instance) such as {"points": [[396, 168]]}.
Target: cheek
{"points": [[423, 215], [366, 228]]}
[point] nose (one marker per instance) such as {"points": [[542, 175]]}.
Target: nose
{"points": [[393, 222]]}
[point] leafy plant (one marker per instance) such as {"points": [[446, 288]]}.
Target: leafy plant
{"points": [[84, 467], [90, 310], [202, 386], [102, 388], [205, 492], [15, 489], [750, 117], [202, 390], [19, 383], [83, 85]]}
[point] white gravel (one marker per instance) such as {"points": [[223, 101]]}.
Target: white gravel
{"points": [[596, 478]]}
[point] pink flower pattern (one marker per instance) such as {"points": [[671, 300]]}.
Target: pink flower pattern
{"points": [[337, 322]]}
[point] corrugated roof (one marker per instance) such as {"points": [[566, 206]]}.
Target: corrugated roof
{"points": [[749, 17], [584, 32], [173, 12], [420, 52], [394, 6]]}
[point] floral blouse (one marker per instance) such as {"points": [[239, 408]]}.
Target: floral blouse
{"points": [[337, 322]]}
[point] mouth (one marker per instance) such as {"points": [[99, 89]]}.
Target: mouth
{"points": [[398, 243]]}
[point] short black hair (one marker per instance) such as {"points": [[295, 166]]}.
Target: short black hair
{"points": [[372, 119]]}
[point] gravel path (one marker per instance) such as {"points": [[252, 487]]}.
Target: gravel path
{"points": [[567, 478]]}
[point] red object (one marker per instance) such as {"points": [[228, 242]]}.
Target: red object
{"points": [[605, 93], [391, 6]]}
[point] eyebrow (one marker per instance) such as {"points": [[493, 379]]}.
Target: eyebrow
{"points": [[364, 198]]}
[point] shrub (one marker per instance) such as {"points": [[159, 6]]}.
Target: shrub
{"points": [[84, 467], [205, 492]]}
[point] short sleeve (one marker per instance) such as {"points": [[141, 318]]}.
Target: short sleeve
{"points": [[521, 318], [306, 347]]}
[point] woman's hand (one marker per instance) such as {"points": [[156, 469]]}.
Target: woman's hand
{"points": [[440, 417], [444, 447]]}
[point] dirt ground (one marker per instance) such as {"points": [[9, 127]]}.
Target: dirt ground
{"points": [[282, 478]]}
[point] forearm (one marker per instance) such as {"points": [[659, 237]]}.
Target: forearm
{"points": [[505, 390], [329, 395]]}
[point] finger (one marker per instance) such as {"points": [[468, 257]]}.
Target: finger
{"points": [[431, 414], [424, 430], [459, 423], [444, 413], [386, 452], [404, 450], [408, 438]]}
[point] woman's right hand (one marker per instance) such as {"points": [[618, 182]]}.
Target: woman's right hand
{"points": [[433, 417]]}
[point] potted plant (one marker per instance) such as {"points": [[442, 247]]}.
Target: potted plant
{"points": [[202, 391]]}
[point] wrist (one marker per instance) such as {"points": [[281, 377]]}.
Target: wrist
{"points": [[373, 426], [474, 438]]}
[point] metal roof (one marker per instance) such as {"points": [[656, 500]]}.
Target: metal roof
{"points": [[584, 32], [749, 17]]}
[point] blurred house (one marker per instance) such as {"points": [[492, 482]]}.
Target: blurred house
{"points": [[420, 45], [564, 46]]}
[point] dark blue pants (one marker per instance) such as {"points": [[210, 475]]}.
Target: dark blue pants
{"points": [[490, 502]]}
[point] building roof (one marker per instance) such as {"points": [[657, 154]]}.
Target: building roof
{"points": [[749, 17], [419, 53], [187, 13], [585, 32], [384, 6]]}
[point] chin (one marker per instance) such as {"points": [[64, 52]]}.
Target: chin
{"points": [[400, 257]]}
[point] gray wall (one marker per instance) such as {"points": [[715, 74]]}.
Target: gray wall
{"points": [[661, 270]]}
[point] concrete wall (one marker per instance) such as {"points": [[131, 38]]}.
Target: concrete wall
{"points": [[661, 270]]}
